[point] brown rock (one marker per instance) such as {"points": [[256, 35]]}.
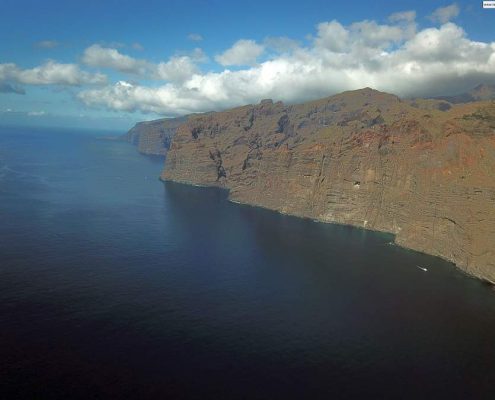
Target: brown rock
{"points": [[363, 158]]}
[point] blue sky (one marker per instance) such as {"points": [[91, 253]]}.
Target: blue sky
{"points": [[108, 64]]}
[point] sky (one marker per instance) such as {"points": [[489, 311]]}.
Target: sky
{"points": [[108, 64]]}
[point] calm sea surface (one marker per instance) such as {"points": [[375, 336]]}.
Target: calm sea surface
{"points": [[116, 285]]}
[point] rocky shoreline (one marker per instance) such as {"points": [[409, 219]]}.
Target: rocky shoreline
{"points": [[418, 169], [394, 242]]}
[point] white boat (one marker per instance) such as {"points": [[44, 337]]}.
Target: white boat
{"points": [[422, 268]]}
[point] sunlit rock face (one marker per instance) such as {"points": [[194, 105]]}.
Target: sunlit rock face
{"points": [[422, 169]]}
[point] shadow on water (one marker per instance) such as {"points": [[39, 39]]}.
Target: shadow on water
{"points": [[343, 296]]}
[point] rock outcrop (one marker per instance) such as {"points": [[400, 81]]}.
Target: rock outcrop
{"points": [[422, 170], [154, 137]]}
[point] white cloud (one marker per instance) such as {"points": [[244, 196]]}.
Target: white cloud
{"points": [[373, 35], [332, 36], [442, 45], [176, 69], [366, 34], [243, 52], [106, 57], [195, 37], [50, 73], [391, 57], [445, 14]]}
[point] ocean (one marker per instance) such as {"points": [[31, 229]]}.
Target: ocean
{"points": [[114, 284]]}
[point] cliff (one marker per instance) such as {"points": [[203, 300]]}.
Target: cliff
{"points": [[154, 137], [418, 169]]}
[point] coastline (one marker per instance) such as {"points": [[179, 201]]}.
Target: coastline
{"points": [[402, 172], [459, 267]]}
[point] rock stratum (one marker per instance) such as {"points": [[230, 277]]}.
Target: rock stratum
{"points": [[421, 169]]}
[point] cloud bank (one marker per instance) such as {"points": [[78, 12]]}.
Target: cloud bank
{"points": [[176, 69], [394, 56], [49, 73], [243, 52]]}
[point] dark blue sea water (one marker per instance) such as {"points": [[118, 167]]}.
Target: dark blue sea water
{"points": [[116, 285]]}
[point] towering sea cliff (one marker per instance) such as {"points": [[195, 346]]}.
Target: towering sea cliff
{"points": [[154, 137], [422, 170]]}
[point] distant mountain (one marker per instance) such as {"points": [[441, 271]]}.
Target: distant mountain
{"points": [[479, 93], [421, 169]]}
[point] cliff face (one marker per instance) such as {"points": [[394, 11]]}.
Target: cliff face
{"points": [[419, 169], [154, 137]]}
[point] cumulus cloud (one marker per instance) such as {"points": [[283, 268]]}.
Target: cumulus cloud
{"points": [[243, 52], [106, 57], [49, 73], [364, 35], [176, 69], [395, 57], [47, 44], [445, 14], [332, 36], [195, 37]]}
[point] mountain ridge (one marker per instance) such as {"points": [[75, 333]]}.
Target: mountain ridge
{"points": [[481, 92]]}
